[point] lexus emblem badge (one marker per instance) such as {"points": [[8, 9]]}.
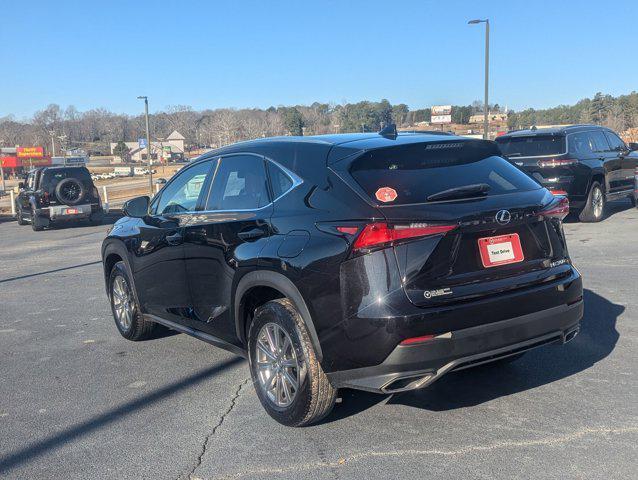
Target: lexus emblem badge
{"points": [[503, 217]]}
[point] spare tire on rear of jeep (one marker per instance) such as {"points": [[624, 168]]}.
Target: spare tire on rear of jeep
{"points": [[70, 191]]}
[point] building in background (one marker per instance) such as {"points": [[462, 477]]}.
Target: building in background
{"points": [[19, 160], [164, 150]]}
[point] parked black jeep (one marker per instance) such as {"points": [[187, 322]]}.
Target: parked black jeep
{"points": [[57, 194], [588, 163]]}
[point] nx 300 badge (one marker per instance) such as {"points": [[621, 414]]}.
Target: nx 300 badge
{"points": [[437, 293]]}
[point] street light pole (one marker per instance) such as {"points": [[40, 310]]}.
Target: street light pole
{"points": [[148, 147], [486, 123]]}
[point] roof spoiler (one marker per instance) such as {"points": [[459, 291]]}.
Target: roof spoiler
{"points": [[389, 131]]}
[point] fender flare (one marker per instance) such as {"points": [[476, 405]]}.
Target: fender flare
{"points": [[116, 246], [268, 278]]}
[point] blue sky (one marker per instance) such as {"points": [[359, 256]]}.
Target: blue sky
{"points": [[213, 54]]}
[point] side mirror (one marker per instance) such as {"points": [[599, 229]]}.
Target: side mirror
{"points": [[633, 146], [136, 207], [21, 185]]}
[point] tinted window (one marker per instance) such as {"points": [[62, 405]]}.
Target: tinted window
{"points": [[532, 146], [599, 142], [240, 184], [581, 144], [616, 143], [181, 194], [279, 181], [418, 171]]}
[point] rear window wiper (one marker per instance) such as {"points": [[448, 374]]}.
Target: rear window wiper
{"points": [[460, 192]]}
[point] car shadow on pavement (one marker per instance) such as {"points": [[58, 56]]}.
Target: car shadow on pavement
{"points": [[612, 208], [597, 339], [118, 413]]}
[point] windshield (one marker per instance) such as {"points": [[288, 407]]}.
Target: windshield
{"points": [[412, 173], [532, 146]]}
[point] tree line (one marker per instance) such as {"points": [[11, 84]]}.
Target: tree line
{"points": [[95, 129]]}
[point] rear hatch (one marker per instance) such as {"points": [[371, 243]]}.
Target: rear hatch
{"points": [[466, 223]]}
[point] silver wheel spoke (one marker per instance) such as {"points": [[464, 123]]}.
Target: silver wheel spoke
{"points": [[276, 365], [290, 380], [266, 351]]}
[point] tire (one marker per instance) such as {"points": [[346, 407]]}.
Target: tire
{"points": [[36, 225], [70, 191], [594, 209], [19, 217], [314, 397], [126, 312]]}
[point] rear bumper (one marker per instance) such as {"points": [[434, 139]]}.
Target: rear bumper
{"points": [[416, 366], [58, 213]]}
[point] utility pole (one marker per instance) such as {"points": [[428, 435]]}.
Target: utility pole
{"points": [[148, 147], [486, 123], [4, 186], [52, 133]]}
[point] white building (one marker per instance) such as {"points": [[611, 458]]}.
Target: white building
{"points": [[160, 150]]}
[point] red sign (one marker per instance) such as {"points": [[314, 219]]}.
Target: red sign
{"points": [[15, 162], [500, 250], [386, 194], [30, 152]]}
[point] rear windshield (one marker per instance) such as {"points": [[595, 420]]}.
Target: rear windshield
{"points": [[532, 146], [414, 172], [54, 176]]}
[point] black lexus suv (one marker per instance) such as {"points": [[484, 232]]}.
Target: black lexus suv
{"points": [[57, 194], [377, 262], [588, 163]]}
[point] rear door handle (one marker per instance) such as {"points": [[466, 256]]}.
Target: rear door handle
{"points": [[175, 239], [251, 234]]}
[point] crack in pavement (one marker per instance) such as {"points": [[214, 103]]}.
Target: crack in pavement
{"points": [[548, 441], [200, 457]]}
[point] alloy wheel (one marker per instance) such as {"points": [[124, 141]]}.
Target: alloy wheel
{"points": [[277, 365], [597, 202], [122, 302]]}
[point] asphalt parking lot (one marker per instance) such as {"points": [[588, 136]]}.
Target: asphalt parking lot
{"points": [[79, 401]]}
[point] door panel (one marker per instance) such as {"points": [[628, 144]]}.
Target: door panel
{"points": [[226, 236], [159, 269], [612, 163]]}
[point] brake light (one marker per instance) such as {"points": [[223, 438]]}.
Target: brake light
{"points": [[375, 234], [559, 208], [413, 340], [556, 162]]}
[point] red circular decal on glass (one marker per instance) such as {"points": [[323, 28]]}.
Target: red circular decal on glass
{"points": [[386, 194]]}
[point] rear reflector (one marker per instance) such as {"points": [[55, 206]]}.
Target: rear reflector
{"points": [[556, 163], [558, 192], [375, 234], [559, 208], [348, 230], [413, 340]]}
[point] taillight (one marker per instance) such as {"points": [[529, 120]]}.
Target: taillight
{"points": [[557, 192], [559, 208], [556, 162], [376, 234], [414, 340]]}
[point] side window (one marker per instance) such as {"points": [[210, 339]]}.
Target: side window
{"points": [[599, 142], [617, 145], [279, 181], [31, 181], [181, 194], [240, 184], [580, 144]]}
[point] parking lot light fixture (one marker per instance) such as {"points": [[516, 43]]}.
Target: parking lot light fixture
{"points": [[148, 147], [487, 70]]}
